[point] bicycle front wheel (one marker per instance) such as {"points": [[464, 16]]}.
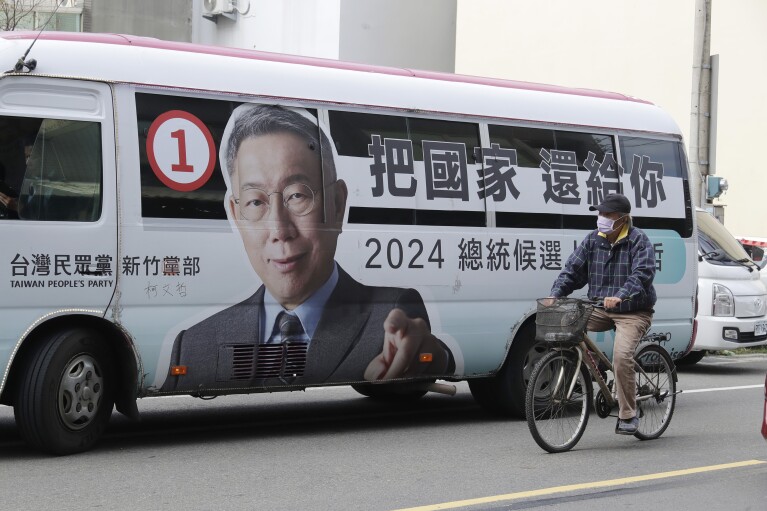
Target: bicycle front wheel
{"points": [[656, 391], [557, 401]]}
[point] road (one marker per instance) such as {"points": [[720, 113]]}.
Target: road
{"points": [[333, 449]]}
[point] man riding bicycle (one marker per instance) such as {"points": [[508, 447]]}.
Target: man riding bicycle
{"points": [[617, 261]]}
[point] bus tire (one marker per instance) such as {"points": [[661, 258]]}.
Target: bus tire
{"points": [[691, 358], [65, 395], [504, 393]]}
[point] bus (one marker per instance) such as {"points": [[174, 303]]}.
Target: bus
{"points": [[178, 219]]}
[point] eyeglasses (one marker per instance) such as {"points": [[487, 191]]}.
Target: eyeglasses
{"points": [[255, 203]]}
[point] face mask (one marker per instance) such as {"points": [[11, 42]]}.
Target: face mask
{"points": [[605, 225]]}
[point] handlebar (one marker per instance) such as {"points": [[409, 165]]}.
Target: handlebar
{"points": [[599, 303]]}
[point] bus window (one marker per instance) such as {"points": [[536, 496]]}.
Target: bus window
{"points": [[562, 160], [352, 131], [644, 154], [528, 142], [50, 169], [16, 138], [584, 143], [352, 134], [656, 171], [161, 201], [446, 200], [432, 130]]}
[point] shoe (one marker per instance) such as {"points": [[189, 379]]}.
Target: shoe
{"points": [[627, 426]]}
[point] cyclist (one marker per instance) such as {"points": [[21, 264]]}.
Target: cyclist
{"points": [[617, 261]]}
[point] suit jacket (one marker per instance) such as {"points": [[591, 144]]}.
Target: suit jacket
{"points": [[222, 351]]}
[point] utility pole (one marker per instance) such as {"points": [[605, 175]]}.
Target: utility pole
{"points": [[700, 116]]}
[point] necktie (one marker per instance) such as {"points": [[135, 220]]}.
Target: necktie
{"points": [[290, 328], [293, 346]]}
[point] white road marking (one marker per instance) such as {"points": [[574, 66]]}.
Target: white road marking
{"points": [[717, 389]]}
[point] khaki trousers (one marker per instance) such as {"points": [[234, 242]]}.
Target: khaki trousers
{"points": [[629, 328]]}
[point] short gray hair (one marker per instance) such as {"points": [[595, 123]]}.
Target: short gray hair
{"points": [[268, 119]]}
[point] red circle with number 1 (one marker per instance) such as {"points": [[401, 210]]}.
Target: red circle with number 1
{"points": [[181, 150]]}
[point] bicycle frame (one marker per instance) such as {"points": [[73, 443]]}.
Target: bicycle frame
{"points": [[588, 347]]}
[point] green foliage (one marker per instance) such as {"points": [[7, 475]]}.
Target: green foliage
{"points": [[748, 351]]}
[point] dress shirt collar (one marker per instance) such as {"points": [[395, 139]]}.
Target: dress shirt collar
{"points": [[309, 312]]}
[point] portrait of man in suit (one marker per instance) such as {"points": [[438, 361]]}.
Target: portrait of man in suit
{"points": [[310, 322]]}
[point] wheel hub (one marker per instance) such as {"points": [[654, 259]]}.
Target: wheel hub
{"points": [[80, 392]]}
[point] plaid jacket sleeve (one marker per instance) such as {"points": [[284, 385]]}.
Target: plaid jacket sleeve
{"points": [[642, 268], [575, 275]]}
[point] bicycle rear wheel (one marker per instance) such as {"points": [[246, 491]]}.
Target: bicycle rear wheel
{"points": [[557, 417], [656, 391]]}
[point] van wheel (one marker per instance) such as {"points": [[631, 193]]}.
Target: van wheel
{"points": [[65, 396], [691, 358], [504, 393]]}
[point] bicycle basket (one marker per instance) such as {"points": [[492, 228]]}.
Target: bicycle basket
{"points": [[563, 321]]}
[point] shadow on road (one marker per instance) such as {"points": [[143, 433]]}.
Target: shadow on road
{"points": [[179, 423]]}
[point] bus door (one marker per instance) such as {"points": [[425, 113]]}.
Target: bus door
{"points": [[57, 202]]}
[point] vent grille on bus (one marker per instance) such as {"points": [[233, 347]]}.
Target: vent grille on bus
{"points": [[281, 360], [242, 362], [295, 359]]}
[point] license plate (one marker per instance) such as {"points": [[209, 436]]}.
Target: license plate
{"points": [[760, 328]]}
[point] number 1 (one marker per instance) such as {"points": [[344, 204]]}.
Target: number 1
{"points": [[182, 165]]}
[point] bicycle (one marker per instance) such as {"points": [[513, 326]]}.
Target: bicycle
{"points": [[560, 391]]}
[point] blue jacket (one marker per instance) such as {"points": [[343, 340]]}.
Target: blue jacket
{"points": [[625, 270]]}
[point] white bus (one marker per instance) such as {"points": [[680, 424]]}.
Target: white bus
{"points": [[181, 219]]}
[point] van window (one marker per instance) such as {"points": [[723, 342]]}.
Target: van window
{"points": [[50, 169], [716, 243]]}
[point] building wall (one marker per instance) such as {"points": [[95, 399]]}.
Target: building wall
{"points": [[739, 37], [166, 19], [87, 18], [299, 27], [417, 34], [402, 33]]}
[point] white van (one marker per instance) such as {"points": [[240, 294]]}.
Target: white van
{"points": [[732, 299]]}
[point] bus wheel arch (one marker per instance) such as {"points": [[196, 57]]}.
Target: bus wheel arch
{"points": [[102, 370], [503, 394]]}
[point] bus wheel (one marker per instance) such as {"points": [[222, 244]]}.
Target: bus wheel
{"points": [[691, 358], [504, 393], [65, 396]]}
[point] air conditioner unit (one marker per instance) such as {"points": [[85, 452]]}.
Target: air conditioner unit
{"points": [[212, 8]]}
